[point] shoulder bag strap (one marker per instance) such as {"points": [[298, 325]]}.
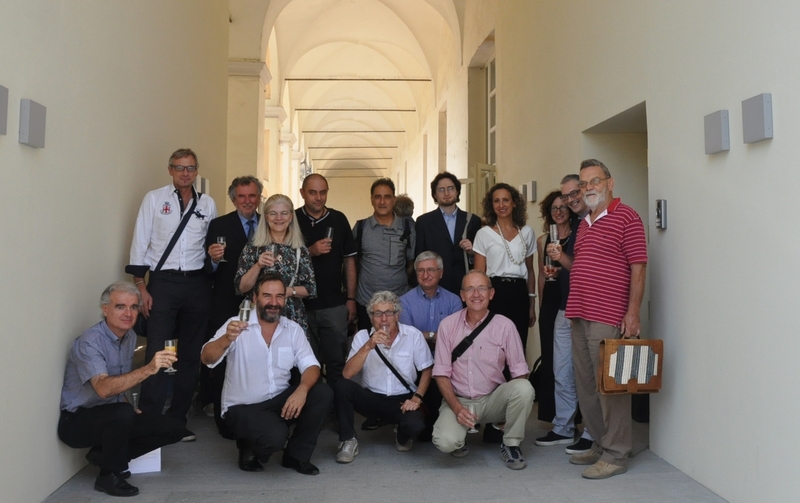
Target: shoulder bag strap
{"points": [[468, 340], [394, 370], [178, 232]]}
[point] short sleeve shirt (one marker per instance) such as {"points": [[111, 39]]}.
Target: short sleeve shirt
{"points": [[489, 244], [409, 353], [328, 268], [97, 351], [383, 258], [600, 278], [256, 372]]}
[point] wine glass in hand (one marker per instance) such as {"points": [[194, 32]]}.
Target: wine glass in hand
{"points": [[471, 408], [221, 241], [171, 345]]}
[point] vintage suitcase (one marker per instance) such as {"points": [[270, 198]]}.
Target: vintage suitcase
{"points": [[630, 366]]}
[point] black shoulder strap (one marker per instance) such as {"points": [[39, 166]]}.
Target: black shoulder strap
{"points": [[394, 370], [406, 232], [178, 232], [468, 340]]}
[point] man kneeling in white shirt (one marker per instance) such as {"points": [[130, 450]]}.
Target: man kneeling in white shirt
{"points": [[258, 402]]}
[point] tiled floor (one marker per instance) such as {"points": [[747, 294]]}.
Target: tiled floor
{"points": [[206, 471]]}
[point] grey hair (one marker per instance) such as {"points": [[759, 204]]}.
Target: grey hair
{"points": [[429, 255], [119, 286], [244, 180], [384, 296], [184, 152], [588, 163], [403, 206], [570, 178]]}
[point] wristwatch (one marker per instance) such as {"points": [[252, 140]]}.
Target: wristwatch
{"points": [[430, 335], [294, 292]]}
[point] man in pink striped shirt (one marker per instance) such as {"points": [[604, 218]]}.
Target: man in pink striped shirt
{"points": [[606, 288], [472, 384]]}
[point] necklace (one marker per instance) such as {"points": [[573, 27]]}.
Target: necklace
{"points": [[508, 250]]}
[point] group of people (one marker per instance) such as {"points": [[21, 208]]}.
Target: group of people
{"points": [[442, 305]]}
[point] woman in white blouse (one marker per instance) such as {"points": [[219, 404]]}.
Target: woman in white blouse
{"points": [[504, 250]]}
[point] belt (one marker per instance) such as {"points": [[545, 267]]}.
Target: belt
{"points": [[507, 280], [174, 272]]}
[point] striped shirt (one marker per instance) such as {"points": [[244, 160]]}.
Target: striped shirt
{"points": [[600, 278]]}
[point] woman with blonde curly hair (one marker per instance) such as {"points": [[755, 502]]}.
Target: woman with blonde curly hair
{"points": [[278, 247]]}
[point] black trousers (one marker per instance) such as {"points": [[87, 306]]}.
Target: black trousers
{"points": [[512, 301], [260, 427], [180, 311], [119, 431], [363, 319], [327, 330], [350, 397]]}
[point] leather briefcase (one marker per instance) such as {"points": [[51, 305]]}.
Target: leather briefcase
{"points": [[630, 366]]}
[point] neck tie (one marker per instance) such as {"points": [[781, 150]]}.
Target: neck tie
{"points": [[250, 229]]}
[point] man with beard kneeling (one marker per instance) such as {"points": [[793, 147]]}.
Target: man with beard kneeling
{"points": [[258, 402]]}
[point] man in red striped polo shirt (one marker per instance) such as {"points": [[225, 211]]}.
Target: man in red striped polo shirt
{"points": [[606, 287]]}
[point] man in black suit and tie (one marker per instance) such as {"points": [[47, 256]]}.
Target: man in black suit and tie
{"points": [[442, 231], [236, 227]]}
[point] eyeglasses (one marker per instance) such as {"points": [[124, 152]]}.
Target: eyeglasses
{"points": [[381, 314], [594, 182], [429, 270], [179, 168], [574, 195], [479, 289], [442, 190], [273, 214], [558, 209]]}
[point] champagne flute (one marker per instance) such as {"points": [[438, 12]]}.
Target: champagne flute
{"points": [[471, 408], [171, 345], [221, 241], [270, 250], [549, 268], [244, 310], [329, 233]]}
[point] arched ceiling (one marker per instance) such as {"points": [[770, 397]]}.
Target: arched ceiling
{"points": [[356, 74]]}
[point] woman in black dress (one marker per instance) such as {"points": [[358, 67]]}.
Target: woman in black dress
{"points": [[554, 211]]}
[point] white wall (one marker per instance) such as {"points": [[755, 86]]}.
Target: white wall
{"points": [[721, 300], [125, 84]]}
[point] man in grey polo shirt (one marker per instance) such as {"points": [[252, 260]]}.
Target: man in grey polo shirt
{"points": [[94, 410], [385, 244]]}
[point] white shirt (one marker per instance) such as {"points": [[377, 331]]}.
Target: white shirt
{"points": [[158, 219], [489, 244], [257, 372], [409, 353]]}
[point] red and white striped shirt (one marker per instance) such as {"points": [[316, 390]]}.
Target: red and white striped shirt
{"points": [[600, 278]]}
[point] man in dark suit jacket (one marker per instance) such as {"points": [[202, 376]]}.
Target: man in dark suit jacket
{"points": [[442, 231], [236, 227]]}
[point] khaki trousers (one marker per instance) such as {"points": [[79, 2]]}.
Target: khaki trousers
{"points": [[510, 402], [607, 417]]}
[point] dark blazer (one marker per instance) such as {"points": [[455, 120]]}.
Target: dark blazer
{"points": [[432, 236], [224, 301]]}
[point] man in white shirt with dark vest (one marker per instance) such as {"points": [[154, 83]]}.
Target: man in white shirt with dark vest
{"points": [[176, 297], [258, 402]]}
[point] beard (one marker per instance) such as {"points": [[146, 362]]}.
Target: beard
{"points": [[264, 314], [596, 201]]}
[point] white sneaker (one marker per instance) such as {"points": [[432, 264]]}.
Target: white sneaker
{"points": [[209, 410], [348, 450]]}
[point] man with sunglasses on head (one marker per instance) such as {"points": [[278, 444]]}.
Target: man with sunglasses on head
{"points": [[566, 396], [169, 246], [607, 278], [448, 231]]}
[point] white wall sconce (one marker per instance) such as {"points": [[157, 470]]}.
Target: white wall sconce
{"points": [[32, 121], [3, 110], [757, 118]]}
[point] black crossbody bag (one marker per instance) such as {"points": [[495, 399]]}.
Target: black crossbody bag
{"points": [[468, 340], [399, 377]]}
